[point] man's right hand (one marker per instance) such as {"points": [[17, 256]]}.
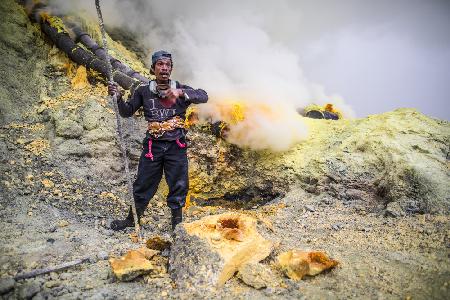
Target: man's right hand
{"points": [[113, 89]]}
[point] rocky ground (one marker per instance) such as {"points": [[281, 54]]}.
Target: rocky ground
{"points": [[380, 256], [372, 193]]}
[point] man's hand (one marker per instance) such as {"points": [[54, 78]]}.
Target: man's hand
{"points": [[113, 89], [173, 94]]}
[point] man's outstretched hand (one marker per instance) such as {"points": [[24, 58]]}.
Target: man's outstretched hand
{"points": [[173, 94]]}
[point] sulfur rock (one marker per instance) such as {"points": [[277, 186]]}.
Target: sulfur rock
{"points": [[209, 251], [133, 264], [297, 263]]}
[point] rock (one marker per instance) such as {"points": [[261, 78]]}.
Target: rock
{"points": [[337, 226], [52, 283], [47, 183], [91, 112], [63, 223], [108, 232], [256, 275], [310, 208], [38, 296], [165, 252], [297, 263], [328, 200], [98, 134], [93, 259], [73, 147], [133, 264], [198, 259], [102, 255], [6, 284], [393, 209], [68, 128], [157, 243], [28, 290], [103, 295]]}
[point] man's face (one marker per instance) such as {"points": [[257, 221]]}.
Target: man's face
{"points": [[163, 68]]}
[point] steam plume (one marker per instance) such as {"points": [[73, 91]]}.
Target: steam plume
{"points": [[235, 51]]}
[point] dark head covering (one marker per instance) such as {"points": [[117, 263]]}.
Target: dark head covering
{"points": [[159, 55]]}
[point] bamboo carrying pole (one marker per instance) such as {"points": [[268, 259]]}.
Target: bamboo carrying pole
{"points": [[119, 123]]}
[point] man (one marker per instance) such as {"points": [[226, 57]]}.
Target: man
{"points": [[164, 148]]}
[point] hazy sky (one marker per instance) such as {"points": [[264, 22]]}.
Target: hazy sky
{"points": [[378, 55]]}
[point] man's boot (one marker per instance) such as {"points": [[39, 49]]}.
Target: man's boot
{"points": [[177, 217], [117, 225]]}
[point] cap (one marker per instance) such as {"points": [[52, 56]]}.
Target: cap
{"points": [[159, 55]]}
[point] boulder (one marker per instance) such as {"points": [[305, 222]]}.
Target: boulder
{"points": [[133, 264], [6, 284], [157, 243], [92, 114], [393, 209], [73, 147], [257, 275], [297, 263], [209, 251], [68, 128], [28, 290]]}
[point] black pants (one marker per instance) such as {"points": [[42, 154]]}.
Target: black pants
{"points": [[169, 157]]}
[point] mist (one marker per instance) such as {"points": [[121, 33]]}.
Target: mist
{"points": [[283, 55]]}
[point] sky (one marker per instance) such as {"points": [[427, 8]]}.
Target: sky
{"points": [[380, 55], [366, 56]]}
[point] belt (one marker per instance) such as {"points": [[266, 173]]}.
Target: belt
{"points": [[157, 129]]}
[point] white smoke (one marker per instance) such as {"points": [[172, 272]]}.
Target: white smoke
{"points": [[234, 50]]}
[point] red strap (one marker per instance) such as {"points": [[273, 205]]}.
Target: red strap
{"points": [[180, 144], [149, 154]]}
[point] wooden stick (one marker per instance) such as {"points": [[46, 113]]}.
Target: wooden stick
{"points": [[119, 124], [57, 268]]}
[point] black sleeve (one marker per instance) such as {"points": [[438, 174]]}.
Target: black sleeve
{"points": [[127, 109], [194, 95]]}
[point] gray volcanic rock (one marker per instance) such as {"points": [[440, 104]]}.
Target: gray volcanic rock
{"points": [[208, 252], [28, 290], [6, 284], [192, 264], [399, 156], [22, 53], [256, 275]]}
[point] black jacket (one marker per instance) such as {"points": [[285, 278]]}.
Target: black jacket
{"points": [[154, 111]]}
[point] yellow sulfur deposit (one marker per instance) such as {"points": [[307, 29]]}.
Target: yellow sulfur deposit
{"points": [[330, 107], [191, 116], [55, 22], [133, 264], [38, 147], [234, 237], [327, 107], [298, 263], [80, 80]]}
